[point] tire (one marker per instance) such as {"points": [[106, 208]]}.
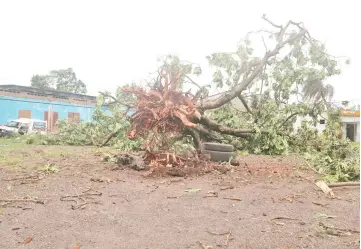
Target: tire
{"points": [[220, 156], [218, 147]]}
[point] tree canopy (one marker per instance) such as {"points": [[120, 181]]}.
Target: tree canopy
{"points": [[64, 80]]}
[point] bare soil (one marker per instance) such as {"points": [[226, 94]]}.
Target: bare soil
{"points": [[265, 202]]}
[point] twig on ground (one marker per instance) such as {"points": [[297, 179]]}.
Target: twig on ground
{"points": [[226, 187], [9, 201], [82, 197], [320, 204], [339, 229], [214, 233], [283, 218], [27, 179], [232, 198], [211, 194]]}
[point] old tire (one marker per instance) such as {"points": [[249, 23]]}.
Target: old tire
{"points": [[219, 156], [218, 147]]}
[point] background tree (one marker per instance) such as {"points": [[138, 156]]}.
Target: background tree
{"points": [[64, 80], [41, 81]]}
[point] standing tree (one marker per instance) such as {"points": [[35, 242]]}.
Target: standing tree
{"points": [[64, 80], [41, 81]]}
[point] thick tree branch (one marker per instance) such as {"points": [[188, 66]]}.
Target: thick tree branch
{"points": [[248, 80], [244, 102], [213, 125]]}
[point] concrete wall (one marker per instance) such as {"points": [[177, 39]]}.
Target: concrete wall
{"points": [[351, 120], [10, 106], [298, 123]]}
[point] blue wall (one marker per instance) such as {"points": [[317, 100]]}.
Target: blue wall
{"points": [[10, 106]]}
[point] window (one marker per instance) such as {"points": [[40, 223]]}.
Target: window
{"points": [[13, 124], [39, 126], [24, 114], [322, 121]]}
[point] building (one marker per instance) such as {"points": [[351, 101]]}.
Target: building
{"points": [[50, 105], [350, 116]]}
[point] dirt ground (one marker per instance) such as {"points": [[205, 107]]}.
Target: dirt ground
{"points": [[74, 199]]}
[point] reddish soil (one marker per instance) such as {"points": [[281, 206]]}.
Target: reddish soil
{"points": [[275, 205]]}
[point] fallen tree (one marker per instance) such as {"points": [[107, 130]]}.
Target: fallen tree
{"points": [[262, 89], [270, 87]]}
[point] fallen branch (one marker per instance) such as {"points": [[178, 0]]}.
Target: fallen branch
{"points": [[320, 204], [82, 197], [283, 218], [339, 229], [343, 184], [232, 198], [22, 200], [323, 186]]}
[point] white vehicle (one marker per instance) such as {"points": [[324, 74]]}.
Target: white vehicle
{"points": [[24, 126]]}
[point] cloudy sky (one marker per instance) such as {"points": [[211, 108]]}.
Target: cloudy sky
{"points": [[109, 43]]}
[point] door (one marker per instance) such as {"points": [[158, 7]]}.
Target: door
{"points": [[351, 131], [74, 117], [51, 119]]}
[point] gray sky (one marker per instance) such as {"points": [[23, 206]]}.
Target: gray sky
{"points": [[109, 43]]}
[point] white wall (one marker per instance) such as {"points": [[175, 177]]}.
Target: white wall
{"points": [[298, 123], [351, 120]]}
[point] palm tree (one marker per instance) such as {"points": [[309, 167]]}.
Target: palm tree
{"points": [[316, 91]]}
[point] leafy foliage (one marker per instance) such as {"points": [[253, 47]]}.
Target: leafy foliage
{"points": [[92, 133], [337, 159], [64, 80]]}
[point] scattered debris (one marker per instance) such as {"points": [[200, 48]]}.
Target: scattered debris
{"points": [[331, 230], [283, 218], [290, 198], [28, 240], [77, 247], [88, 194], [232, 198], [227, 187], [27, 179], [323, 186], [6, 202], [321, 215], [135, 162], [211, 194], [319, 204], [101, 179], [192, 190]]}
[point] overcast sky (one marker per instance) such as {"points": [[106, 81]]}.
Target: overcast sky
{"points": [[109, 43]]}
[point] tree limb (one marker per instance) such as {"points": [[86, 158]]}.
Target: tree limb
{"points": [[244, 102], [213, 125], [248, 80]]}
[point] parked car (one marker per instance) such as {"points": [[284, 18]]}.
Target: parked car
{"points": [[23, 126]]}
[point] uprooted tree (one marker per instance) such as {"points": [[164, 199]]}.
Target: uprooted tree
{"points": [[272, 86], [274, 76]]}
